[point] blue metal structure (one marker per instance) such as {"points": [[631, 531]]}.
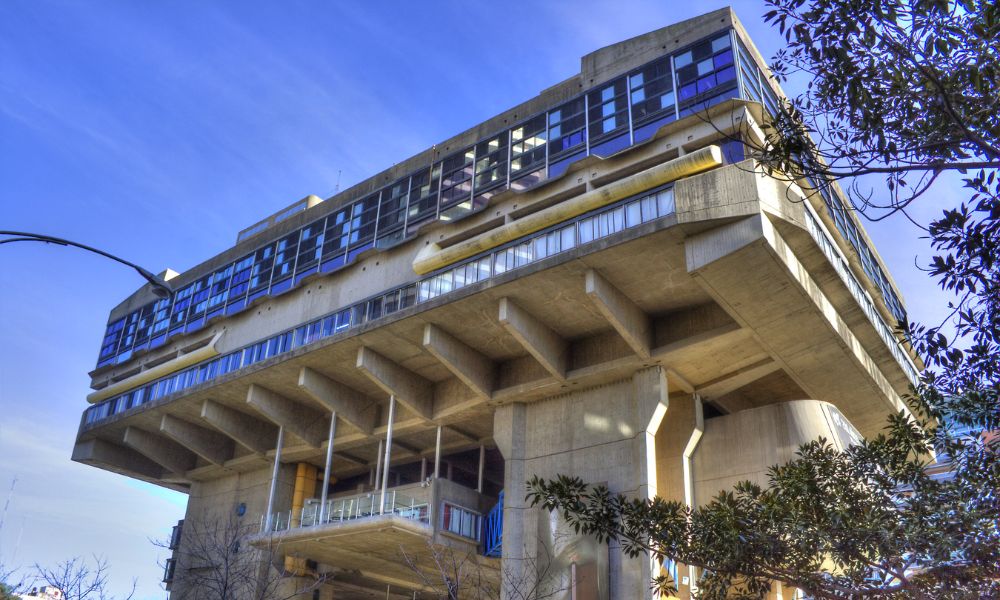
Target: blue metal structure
{"points": [[493, 530]]}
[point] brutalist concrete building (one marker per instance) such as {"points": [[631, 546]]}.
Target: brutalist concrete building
{"points": [[596, 282]]}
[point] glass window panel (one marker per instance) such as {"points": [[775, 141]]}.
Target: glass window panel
{"points": [[720, 43], [284, 256], [310, 244], [362, 226], [566, 127], [424, 194], [338, 228], [608, 109], [723, 59], [260, 273], [491, 162], [665, 201], [407, 296], [456, 178], [392, 209]]}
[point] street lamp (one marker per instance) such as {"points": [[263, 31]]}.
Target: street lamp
{"points": [[160, 287]]}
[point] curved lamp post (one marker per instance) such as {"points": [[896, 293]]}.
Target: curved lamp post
{"points": [[160, 287]]}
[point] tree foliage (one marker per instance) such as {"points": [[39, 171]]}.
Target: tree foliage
{"points": [[905, 90]]}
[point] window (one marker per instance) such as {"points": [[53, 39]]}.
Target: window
{"points": [[491, 163], [456, 178], [423, 196], [144, 328], [310, 247], [335, 239], [260, 273], [566, 129], [704, 72], [239, 284], [362, 231], [607, 115], [653, 100], [527, 153], [461, 521], [392, 213], [218, 289]]}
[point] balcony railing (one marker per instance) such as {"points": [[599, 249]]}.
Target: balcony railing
{"points": [[353, 508]]}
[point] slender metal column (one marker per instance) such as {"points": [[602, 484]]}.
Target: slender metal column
{"points": [[437, 454], [482, 467], [378, 467], [326, 468], [423, 469], [388, 451], [274, 480]]}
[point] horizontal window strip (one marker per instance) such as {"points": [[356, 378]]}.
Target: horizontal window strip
{"points": [[621, 112], [629, 213]]}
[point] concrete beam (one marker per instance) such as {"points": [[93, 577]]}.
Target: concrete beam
{"points": [[348, 458], [732, 381], [119, 459], [210, 445], [545, 345], [629, 320], [307, 423], [462, 433], [411, 390], [472, 368], [169, 454], [350, 405], [256, 435], [406, 448]]}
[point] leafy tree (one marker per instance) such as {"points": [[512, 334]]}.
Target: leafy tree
{"points": [[906, 90]]}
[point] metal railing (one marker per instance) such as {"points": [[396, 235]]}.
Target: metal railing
{"points": [[339, 510], [493, 530]]}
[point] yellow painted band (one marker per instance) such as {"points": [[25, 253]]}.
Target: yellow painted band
{"points": [[185, 360], [433, 257]]}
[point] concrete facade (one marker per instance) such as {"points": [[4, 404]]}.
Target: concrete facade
{"points": [[664, 319]]}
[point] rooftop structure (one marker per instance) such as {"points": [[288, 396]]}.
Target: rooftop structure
{"points": [[594, 282]]}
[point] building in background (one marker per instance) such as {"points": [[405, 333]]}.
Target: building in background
{"points": [[594, 282], [45, 592]]}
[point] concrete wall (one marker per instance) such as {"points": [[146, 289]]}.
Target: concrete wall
{"points": [[742, 446], [605, 435]]}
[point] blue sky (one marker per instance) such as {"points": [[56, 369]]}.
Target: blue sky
{"points": [[157, 131]]}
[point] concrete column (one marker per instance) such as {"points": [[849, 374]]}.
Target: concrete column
{"points": [[482, 467], [520, 523], [606, 435], [675, 443]]}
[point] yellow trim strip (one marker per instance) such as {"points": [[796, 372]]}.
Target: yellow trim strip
{"points": [[432, 257], [185, 360]]}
